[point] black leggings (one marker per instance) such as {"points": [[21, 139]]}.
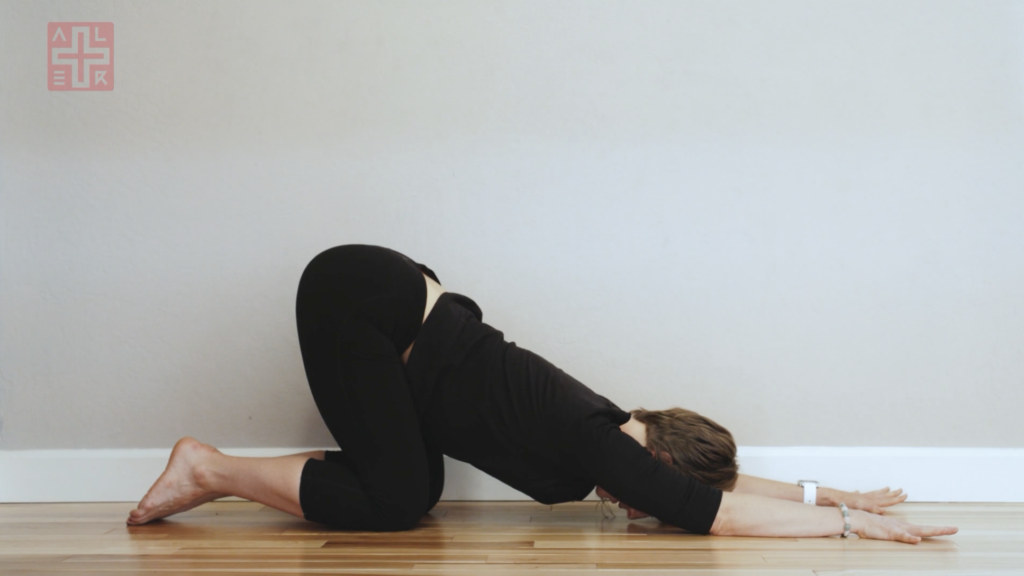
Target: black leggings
{"points": [[358, 308]]}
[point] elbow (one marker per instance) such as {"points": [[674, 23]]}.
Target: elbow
{"points": [[720, 527], [723, 524]]}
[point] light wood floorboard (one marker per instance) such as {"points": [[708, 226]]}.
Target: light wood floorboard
{"points": [[505, 538]]}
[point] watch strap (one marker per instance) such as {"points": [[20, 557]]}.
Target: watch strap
{"points": [[810, 491]]}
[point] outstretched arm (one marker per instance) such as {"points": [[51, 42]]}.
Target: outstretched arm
{"points": [[626, 470], [755, 515], [874, 502]]}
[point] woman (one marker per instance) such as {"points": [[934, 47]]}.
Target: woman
{"points": [[462, 390]]}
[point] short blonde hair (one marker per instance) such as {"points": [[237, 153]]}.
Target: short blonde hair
{"points": [[699, 446]]}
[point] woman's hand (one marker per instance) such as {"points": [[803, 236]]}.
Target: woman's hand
{"points": [[756, 515], [874, 502], [868, 525], [631, 513]]}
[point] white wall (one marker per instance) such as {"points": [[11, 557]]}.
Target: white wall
{"points": [[804, 219]]}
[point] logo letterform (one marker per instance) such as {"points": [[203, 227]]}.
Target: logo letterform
{"points": [[81, 55]]}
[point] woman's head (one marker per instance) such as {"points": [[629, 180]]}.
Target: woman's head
{"points": [[694, 444]]}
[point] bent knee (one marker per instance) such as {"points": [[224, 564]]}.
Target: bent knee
{"points": [[402, 514], [399, 523], [377, 521]]}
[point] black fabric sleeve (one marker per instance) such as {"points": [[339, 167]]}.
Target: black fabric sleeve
{"points": [[620, 465]]}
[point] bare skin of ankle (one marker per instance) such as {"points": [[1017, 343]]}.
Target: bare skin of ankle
{"points": [[180, 487]]}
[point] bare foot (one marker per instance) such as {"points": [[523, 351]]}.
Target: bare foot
{"points": [[179, 487]]}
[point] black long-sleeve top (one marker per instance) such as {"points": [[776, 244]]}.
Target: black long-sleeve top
{"points": [[519, 418]]}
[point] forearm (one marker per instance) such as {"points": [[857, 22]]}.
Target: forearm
{"points": [[781, 490], [759, 515]]}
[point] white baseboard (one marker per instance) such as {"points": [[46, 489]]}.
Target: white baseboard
{"points": [[926, 474]]}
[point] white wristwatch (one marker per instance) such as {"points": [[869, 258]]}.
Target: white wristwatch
{"points": [[810, 491]]}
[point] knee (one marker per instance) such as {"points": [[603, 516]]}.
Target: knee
{"points": [[402, 513], [330, 493], [394, 517], [399, 523]]}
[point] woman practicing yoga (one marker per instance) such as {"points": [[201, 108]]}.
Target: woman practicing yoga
{"points": [[462, 390]]}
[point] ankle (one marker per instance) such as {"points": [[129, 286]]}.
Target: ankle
{"points": [[208, 472]]}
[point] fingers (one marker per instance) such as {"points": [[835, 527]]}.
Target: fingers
{"points": [[892, 500], [632, 513], [899, 534], [888, 532], [898, 530], [928, 531], [886, 492], [886, 497], [908, 538], [924, 531]]}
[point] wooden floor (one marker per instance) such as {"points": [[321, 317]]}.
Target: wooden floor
{"points": [[468, 538]]}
